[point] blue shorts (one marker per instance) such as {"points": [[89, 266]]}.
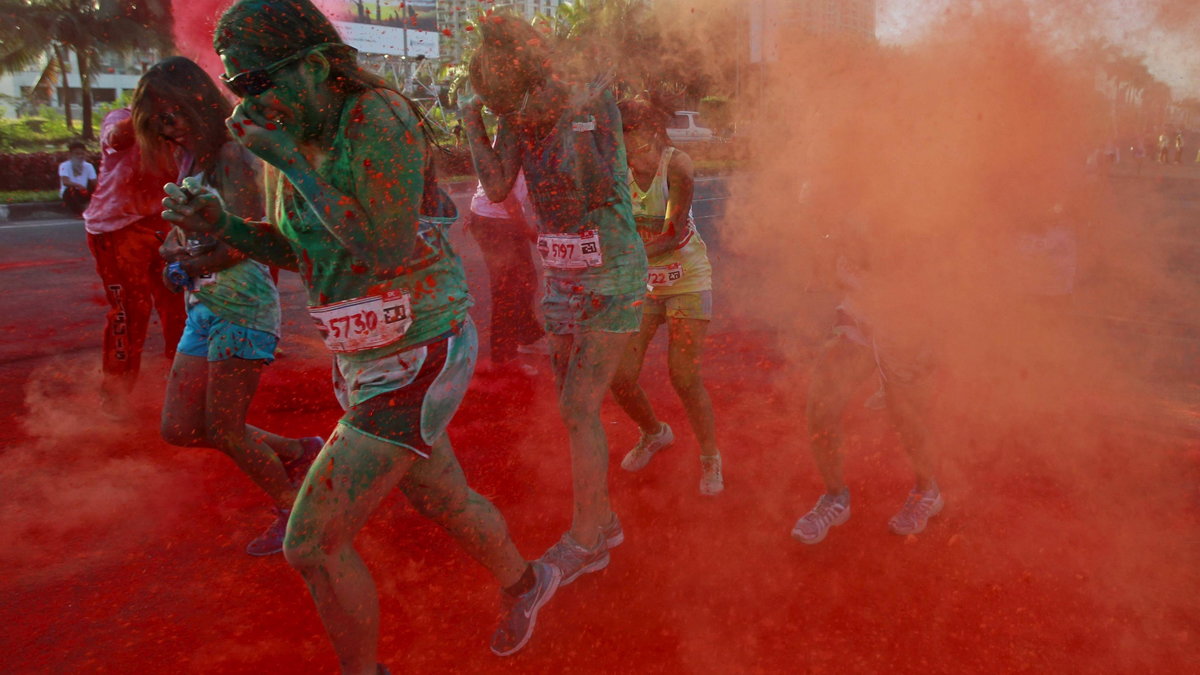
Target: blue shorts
{"points": [[209, 336]]}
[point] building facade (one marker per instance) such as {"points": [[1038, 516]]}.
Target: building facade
{"points": [[842, 19]]}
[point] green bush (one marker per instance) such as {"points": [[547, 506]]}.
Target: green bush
{"points": [[22, 196], [35, 134]]}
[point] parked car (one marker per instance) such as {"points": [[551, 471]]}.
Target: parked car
{"points": [[683, 127]]}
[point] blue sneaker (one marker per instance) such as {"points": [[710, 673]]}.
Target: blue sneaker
{"points": [[271, 541], [520, 611]]}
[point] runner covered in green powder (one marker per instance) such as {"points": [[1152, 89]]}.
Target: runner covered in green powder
{"points": [[567, 138], [360, 216]]}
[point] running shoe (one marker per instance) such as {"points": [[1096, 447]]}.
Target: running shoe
{"points": [[297, 468], [640, 455], [520, 611], [711, 480], [830, 510], [613, 533], [917, 510], [271, 541], [572, 559]]}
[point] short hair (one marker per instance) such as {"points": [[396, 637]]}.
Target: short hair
{"points": [[76, 145]]}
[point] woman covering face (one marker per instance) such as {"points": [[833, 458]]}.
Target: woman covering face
{"points": [[566, 137], [358, 214]]}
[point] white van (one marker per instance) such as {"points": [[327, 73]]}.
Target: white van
{"points": [[683, 127]]}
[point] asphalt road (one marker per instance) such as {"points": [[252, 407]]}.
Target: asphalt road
{"points": [[52, 303]]}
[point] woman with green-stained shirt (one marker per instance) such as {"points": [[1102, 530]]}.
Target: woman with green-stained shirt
{"points": [[358, 214]]}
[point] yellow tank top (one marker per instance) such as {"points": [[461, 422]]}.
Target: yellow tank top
{"points": [[685, 269]]}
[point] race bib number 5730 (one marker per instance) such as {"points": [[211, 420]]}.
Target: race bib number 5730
{"points": [[570, 251], [364, 323]]}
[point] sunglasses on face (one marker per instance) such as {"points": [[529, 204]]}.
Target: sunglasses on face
{"points": [[256, 81]]}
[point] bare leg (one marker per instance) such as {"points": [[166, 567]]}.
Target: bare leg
{"points": [[183, 418], [584, 365], [346, 484], [437, 488], [841, 368], [625, 388], [683, 362], [231, 387], [909, 403]]}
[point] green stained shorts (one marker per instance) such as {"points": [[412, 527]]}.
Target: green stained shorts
{"points": [[408, 398], [571, 308]]}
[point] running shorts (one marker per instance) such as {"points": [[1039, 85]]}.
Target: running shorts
{"points": [[419, 390], [897, 364], [209, 336], [570, 308], [696, 305]]}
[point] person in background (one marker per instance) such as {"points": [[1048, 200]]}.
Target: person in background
{"points": [[124, 228], [679, 294], [76, 179], [505, 238], [859, 348]]}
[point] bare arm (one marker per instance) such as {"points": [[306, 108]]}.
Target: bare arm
{"points": [[680, 189], [596, 149], [497, 166], [388, 158]]}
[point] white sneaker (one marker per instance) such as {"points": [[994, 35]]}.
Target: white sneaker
{"points": [[640, 455], [711, 480], [917, 510], [830, 510]]}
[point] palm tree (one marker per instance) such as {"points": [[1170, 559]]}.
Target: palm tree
{"points": [[29, 29]]}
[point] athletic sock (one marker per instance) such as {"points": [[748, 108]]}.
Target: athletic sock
{"points": [[526, 582]]}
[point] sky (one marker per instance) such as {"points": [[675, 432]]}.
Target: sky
{"points": [[1170, 46]]}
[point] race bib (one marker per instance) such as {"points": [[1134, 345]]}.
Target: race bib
{"points": [[364, 323], [665, 275], [570, 251]]}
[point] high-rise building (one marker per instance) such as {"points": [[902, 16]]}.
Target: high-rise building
{"points": [[847, 19]]}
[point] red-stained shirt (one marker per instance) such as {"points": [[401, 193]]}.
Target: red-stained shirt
{"points": [[125, 192]]}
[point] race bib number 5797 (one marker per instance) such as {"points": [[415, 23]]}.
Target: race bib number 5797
{"points": [[364, 323], [570, 251]]}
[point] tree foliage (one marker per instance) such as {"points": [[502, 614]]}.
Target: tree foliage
{"points": [[47, 32]]}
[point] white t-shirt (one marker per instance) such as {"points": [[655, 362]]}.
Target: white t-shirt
{"points": [[87, 175], [482, 206]]}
